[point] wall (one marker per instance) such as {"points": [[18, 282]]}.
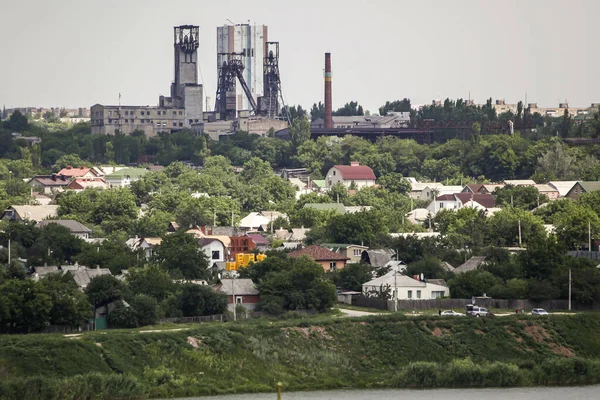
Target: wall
{"points": [[248, 301], [327, 267], [215, 246]]}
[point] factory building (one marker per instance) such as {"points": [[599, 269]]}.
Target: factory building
{"points": [[181, 110], [250, 43]]}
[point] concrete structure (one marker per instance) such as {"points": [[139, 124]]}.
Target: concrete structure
{"points": [[182, 109], [425, 190], [351, 175], [328, 123], [501, 106], [148, 245], [402, 287], [329, 260], [251, 42]]}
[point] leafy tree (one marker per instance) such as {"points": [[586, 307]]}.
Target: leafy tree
{"points": [[352, 276], [472, 283], [152, 281], [300, 131], [396, 105], [197, 300], [105, 289], [394, 182], [123, 316], [114, 210], [350, 109], [523, 197], [25, 306], [504, 227], [113, 254], [70, 307], [573, 228], [56, 244], [180, 254], [430, 267], [145, 308], [152, 224], [67, 160], [17, 122], [317, 111]]}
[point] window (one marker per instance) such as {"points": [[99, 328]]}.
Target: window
{"points": [[332, 266], [238, 300], [126, 121], [441, 205], [216, 255], [410, 294], [181, 124], [356, 252], [437, 294], [174, 113], [164, 124], [334, 173], [196, 120], [191, 120], [180, 112], [141, 113], [418, 294], [174, 123], [126, 112]]}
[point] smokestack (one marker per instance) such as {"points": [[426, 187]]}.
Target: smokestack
{"points": [[328, 105]]}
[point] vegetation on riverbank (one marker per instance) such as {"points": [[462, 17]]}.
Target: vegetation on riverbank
{"points": [[317, 353]]}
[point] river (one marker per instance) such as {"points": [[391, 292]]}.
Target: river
{"points": [[535, 393]]}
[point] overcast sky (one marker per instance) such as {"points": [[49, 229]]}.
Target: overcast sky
{"points": [[80, 52]]}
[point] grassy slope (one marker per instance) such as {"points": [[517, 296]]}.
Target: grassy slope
{"points": [[317, 353]]}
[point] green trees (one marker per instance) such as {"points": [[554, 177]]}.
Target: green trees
{"points": [[523, 197], [69, 306], [198, 300], [105, 289], [24, 307], [180, 254], [352, 276]]}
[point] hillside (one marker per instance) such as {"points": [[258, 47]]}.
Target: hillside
{"points": [[382, 351]]}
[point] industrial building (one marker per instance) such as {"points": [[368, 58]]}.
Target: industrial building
{"points": [[182, 109]]}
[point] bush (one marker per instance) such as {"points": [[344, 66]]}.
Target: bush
{"points": [[122, 316]]}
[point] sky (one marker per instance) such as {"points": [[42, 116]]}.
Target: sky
{"points": [[76, 53]]}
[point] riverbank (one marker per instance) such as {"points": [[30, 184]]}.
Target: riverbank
{"points": [[318, 353]]}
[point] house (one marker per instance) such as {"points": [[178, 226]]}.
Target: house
{"points": [[38, 273], [33, 213], [418, 215], [548, 190], [491, 188], [124, 177], [148, 245], [563, 187], [377, 258], [79, 184], [402, 287], [173, 227], [475, 188], [49, 183], [76, 228], [41, 199], [214, 249], [424, 190], [240, 244], [262, 244], [104, 170], [350, 175], [582, 187], [457, 201], [239, 291], [253, 221], [351, 251], [83, 275], [81, 172], [470, 265], [329, 260], [336, 207]]}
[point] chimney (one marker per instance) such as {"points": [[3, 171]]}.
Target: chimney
{"points": [[54, 177], [69, 167], [354, 163], [328, 105]]}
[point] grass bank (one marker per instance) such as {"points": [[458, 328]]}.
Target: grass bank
{"points": [[318, 353]]}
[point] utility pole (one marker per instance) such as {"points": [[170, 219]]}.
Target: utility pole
{"points": [[519, 233], [395, 291], [233, 295], [214, 218], [589, 236], [511, 201], [569, 289], [232, 217]]}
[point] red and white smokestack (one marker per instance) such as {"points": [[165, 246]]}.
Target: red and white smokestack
{"points": [[328, 101]]}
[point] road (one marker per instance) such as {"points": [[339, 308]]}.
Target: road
{"points": [[355, 313]]}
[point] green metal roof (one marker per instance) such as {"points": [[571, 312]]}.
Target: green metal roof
{"points": [[320, 182], [590, 186], [131, 172]]}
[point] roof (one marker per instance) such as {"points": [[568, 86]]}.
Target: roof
{"points": [[45, 270], [339, 207], [355, 172], [447, 266], [297, 182], [342, 245], [563, 187], [418, 215], [317, 253], [320, 182], [472, 264], [440, 282], [206, 241], [83, 183], [474, 187], [130, 172], [71, 224], [543, 188], [238, 287], [448, 189], [397, 279], [520, 182], [152, 241], [417, 235], [491, 187], [83, 275], [258, 239], [70, 171], [273, 215], [485, 199], [590, 186], [36, 213], [253, 220], [53, 180], [378, 258], [420, 186]]}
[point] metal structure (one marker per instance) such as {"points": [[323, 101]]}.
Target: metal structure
{"points": [[231, 68], [269, 102]]}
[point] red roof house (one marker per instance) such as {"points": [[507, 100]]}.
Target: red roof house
{"points": [[327, 258], [82, 172], [349, 175]]}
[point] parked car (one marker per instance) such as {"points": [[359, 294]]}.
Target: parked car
{"points": [[476, 311], [539, 311], [451, 313]]}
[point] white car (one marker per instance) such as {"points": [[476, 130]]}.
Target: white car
{"points": [[539, 311], [450, 313]]}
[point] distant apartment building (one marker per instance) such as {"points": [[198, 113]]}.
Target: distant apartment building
{"points": [[501, 106], [181, 110]]}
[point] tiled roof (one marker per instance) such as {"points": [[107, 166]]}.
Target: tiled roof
{"points": [[258, 239], [317, 253], [355, 172], [475, 187], [70, 171], [52, 180]]}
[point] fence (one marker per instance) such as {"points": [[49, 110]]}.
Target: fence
{"points": [[212, 318], [592, 255], [66, 329], [444, 304]]}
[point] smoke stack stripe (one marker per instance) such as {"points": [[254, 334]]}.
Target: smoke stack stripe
{"points": [[328, 101]]}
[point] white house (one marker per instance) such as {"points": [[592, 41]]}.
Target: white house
{"points": [[214, 249], [424, 190], [404, 287], [457, 201], [124, 177], [253, 221], [148, 245], [359, 175]]}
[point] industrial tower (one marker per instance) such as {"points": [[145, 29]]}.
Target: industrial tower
{"points": [[268, 104]]}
